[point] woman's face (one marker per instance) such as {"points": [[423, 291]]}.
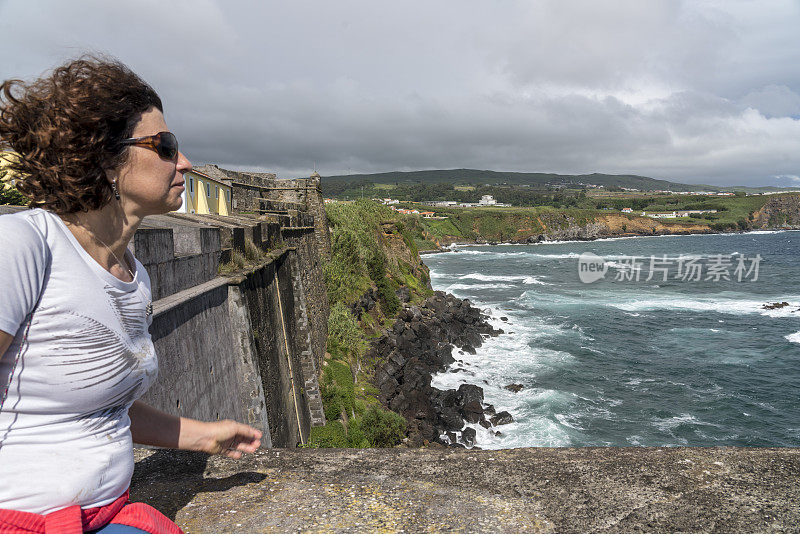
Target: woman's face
{"points": [[149, 184]]}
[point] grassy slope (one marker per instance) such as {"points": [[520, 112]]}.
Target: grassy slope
{"points": [[505, 224], [373, 248]]}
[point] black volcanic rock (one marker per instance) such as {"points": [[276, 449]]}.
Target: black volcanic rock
{"points": [[473, 412], [403, 293], [503, 418], [419, 344], [470, 393], [365, 303]]}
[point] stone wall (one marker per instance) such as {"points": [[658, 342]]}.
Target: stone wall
{"points": [[247, 346], [204, 370], [310, 275], [239, 347], [263, 193], [297, 207], [171, 269]]}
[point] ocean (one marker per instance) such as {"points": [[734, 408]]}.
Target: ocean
{"points": [[608, 357]]}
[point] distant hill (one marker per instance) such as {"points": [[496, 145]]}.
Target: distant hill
{"points": [[536, 179]]}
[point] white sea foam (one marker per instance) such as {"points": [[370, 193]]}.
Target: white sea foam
{"points": [[567, 256], [482, 254], [568, 421], [533, 280], [509, 359], [457, 287], [794, 338], [669, 424], [462, 246], [552, 417], [502, 278], [728, 306]]}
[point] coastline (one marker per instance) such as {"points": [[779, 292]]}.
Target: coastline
{"points": [[589, 239], [560, 328], [419, 344]]}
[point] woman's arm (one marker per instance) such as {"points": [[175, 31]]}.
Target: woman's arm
{"points": [[150, 426]]}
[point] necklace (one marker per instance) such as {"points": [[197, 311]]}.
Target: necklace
{"points": [[149, 307], [125, 265]]}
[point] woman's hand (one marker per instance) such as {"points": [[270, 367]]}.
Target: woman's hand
{"points": [[150, 426], [228, 438]]}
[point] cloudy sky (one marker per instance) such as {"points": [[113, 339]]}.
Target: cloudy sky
{"points": [[699, 91]]}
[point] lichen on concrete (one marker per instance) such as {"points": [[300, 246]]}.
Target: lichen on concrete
{"points": [[456, 490]]}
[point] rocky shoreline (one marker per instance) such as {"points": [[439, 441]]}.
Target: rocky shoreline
{"points": [[420, 344], [540, 240]]}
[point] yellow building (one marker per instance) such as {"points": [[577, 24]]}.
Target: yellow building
{"points": [[6, 158], [204, 194], [7, 177]]}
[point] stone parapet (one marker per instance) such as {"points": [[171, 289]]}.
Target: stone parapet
{"points": [[609, 489]]}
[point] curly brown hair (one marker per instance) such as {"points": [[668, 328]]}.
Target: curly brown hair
{"points": [[67, 128]]}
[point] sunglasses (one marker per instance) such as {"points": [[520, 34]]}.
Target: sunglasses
{"points": [[164, 143]]}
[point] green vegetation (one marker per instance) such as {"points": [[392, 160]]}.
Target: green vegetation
{"points": [[503, 224], [8, 193], [420, 192], [531, 179], [730, 210], [236, 263], [508, 223], [354, 416], [252, 256], [359, 257], [463, 178], [252, 253], [376, 428], [10, 196], [373, 247], [345, 336]]}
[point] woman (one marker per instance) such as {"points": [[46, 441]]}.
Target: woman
{"points": [[97, 157]]}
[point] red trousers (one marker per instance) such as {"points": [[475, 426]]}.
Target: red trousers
{"points": [[75, 520]]}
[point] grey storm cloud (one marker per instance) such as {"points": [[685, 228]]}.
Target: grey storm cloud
{"points": [[704, 91]]}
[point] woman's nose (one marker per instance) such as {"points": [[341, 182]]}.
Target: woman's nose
{"points": [[183, 165]]}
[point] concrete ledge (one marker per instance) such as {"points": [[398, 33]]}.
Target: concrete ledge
{"points": [[170, 302], [416, 490]]}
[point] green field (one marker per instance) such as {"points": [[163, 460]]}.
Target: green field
{"points": [[502, 224], [506, 223]]}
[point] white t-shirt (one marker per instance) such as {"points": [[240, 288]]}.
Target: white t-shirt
{"points": [[64, 428]]}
